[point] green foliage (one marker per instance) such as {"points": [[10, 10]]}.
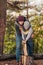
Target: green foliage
{"points": [[38, 34], [9, 41]]}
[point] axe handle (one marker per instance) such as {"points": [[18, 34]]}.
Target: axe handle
{"points": [[24, 46]]}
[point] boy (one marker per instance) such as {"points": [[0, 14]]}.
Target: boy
{"points": [[26, 34]]}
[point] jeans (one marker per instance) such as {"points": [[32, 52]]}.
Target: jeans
{"points": [[30, 47], [18, 47]]}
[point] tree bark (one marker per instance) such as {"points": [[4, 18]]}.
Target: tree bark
{"points": [[2, 23]]}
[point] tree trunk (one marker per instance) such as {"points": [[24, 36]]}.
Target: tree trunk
{"points": [[2, 23]]}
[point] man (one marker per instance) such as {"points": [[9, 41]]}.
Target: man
{"points": [[18, 26]]}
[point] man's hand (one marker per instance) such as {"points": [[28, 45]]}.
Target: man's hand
{"points": [[32, 35], [23, 41]]}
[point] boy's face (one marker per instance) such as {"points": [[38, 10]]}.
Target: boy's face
{"points": [[21, 22], [25, 28]]}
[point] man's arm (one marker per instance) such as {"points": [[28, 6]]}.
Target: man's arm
{"points": [[17, 29], [29, 33]]}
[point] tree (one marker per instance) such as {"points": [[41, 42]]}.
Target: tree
{"points": [[2, 23]]}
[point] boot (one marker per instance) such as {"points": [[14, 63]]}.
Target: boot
{"points": [[17, 63], [20, 63]]}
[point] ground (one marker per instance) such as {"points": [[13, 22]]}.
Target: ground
{"points": [[13, 62]]}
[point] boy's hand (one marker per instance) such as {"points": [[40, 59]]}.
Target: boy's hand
{"points": [[20, 28]]}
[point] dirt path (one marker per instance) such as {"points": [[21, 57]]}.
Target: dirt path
{"points": [[13, 62]]}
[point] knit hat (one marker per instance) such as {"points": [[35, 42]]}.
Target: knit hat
{"points": [[21, 18], [26, 24]]}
